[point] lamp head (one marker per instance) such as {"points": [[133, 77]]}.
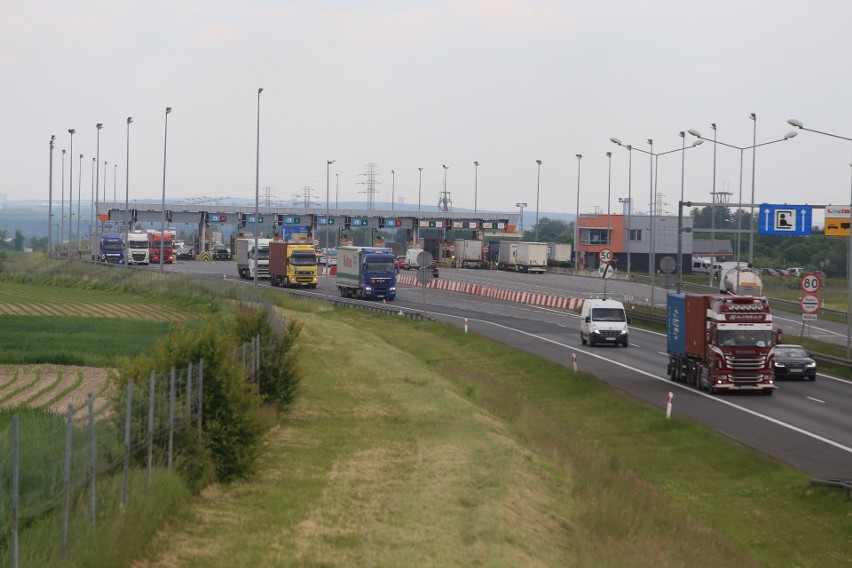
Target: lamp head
{"points": [[796, 123], [260, 90], [609, 154], [71, 131], [476, 164], [331, 162], [651, 141], [445, 166], [99, 125], [420, 169], [129, 119], [63, 152], [698, 142], [615, 140], [713, 125], [791, 134], [694, 132], [682, 134], [538, 162], [753, 116], [579, 156], [81, 156], [168, 110]]}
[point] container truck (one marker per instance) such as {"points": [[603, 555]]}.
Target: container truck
{"points": [[559, 252], [468, 253], [522, 256], [721, 343], [158, 242], [292, 264], [241, 246], [366, 273], [249, 260], [741, 282], [137, 247], [108, 247]]}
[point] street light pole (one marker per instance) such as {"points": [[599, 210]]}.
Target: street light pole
{"points": [[753, 117], [475, 184], [98, 126], [419, 186], [327, 238], [92, 225], [163, 227], [336, 189], [521, 207], [61, 229], [608, 214], [537, 193], [71, 131], [798, 124], [257, 190], [128, 215], [50, 200], [629, 148], [577, 219], [393, 187], [79, 184]]}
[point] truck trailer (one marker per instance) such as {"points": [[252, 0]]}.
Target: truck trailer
{"points": [[292, 264], [366, 273], [468, 253], [721, 343], [520, 256]]}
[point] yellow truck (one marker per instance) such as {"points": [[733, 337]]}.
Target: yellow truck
{"points": [[292, 264]]}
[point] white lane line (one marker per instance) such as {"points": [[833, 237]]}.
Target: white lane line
{"points": [[677, 385], [815, 399]]}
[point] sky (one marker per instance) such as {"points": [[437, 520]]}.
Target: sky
{"points": [[417, 84]]}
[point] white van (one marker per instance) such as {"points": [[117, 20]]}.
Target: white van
{"points": [[411, 259], [603, 321], [701, 265]]}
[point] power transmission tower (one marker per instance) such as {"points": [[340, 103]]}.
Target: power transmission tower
{"points": [[371, 185], [268, 197], [307, 196]]}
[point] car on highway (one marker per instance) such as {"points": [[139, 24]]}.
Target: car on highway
{"points": [[400, 261], [220, 252], [185, 252], [793, 362]]}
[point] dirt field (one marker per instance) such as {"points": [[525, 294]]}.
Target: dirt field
{"points": [[38, 386]]}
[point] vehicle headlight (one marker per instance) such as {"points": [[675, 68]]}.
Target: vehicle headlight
{"points": [[777, 364], [393, 288], [367, 288], [624, 332], [811, 365], [593, 329]]}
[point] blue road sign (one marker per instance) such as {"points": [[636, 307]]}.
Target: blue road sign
{"points": [[785, 219]]}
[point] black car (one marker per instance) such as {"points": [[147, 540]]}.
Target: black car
{"points": [[221, 253], [185, 253], [792, 361]]}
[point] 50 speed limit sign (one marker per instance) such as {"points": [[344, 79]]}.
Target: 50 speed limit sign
{"points": [[810, 283], [605, 256]]}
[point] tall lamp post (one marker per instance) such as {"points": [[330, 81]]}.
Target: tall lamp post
{"points": [[92, 225], [654, 159], [98, 126], [629, 149], [419, 186], [475, 184], [800, 125], [60, 230], [163, 227], [608, 213], [79, 184], [71, 131], [129, 217], [521, 206], [50, 199], [257, 188], [393, 187], [537, 193], [327, 238], [336, 189], [577, 220]]}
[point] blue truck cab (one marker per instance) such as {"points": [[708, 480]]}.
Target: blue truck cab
{"points": [[367, 273]]}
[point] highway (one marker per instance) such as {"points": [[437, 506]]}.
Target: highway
{"points": [[805, 424]]}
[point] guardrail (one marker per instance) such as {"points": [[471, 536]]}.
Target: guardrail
{"points": [[375, 307]]}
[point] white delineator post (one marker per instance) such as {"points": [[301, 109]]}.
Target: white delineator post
{"points": [[465, 325], [669, 406], [574, 361]]}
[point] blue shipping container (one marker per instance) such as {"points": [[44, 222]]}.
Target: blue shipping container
{"points": [[676, 319]]}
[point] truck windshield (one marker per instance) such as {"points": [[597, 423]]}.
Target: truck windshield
{"points": [[302, 259], [263, 253], [380, 267], [608, 314], [745, 337], [137, 244]]}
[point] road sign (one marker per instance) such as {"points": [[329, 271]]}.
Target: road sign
{"points": [[837, 221], [605, 256], [785, 219], [811, 317], [810, 283], [606, 270], [810, 304]]}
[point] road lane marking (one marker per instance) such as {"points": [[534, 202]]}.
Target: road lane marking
{"points": [[815, 399]]}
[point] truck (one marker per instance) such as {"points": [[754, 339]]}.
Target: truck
{"points": [[253, 260], [366, 273], [468, 253], [559, 252], [158, 242], [137, 247], [108, 247], [744, 281], [292, 264], [521, 256], [721, 343]]}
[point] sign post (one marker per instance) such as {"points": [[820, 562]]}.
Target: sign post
{"points": [[605, 256]]}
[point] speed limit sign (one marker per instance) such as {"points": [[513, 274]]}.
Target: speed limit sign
{"points": [[810, 283], [605, 256]]}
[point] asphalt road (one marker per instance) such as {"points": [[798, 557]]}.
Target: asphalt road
{"points": [[805, 424]]}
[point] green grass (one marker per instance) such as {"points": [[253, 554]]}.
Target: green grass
{"points": [[65, 340]]}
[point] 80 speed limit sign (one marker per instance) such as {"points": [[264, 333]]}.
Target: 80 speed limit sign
{"points": [[810, 283], [605, 256]]}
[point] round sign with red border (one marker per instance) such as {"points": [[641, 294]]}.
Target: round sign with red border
{"points": [[605, 256], [810, 304], [810, 283]]}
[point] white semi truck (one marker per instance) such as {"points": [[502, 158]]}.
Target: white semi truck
{"points": [[520, 256], [249, 260]]}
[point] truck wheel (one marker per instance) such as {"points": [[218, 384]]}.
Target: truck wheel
{"points": [[286, 281], [583, 339]]}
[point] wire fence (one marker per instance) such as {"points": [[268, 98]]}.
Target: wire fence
{"points": [[50, 460]]}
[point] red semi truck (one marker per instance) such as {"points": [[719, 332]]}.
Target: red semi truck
{"points": [[156, 243], [721, 343]]}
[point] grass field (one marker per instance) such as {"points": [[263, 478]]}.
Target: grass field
{"points": [[413, 443]]}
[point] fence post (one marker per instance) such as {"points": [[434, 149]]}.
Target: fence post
{"points": [[189, 393], [127, 415], [15, 487], [244, 356], [171, 416], [66, 479], [92, 501], [200, 393], [150, 436]]}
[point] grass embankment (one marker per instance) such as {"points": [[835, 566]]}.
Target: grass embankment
{"points": [[413, 443]]}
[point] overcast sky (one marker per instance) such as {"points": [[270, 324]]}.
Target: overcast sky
{"points": [[408, 84]]}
